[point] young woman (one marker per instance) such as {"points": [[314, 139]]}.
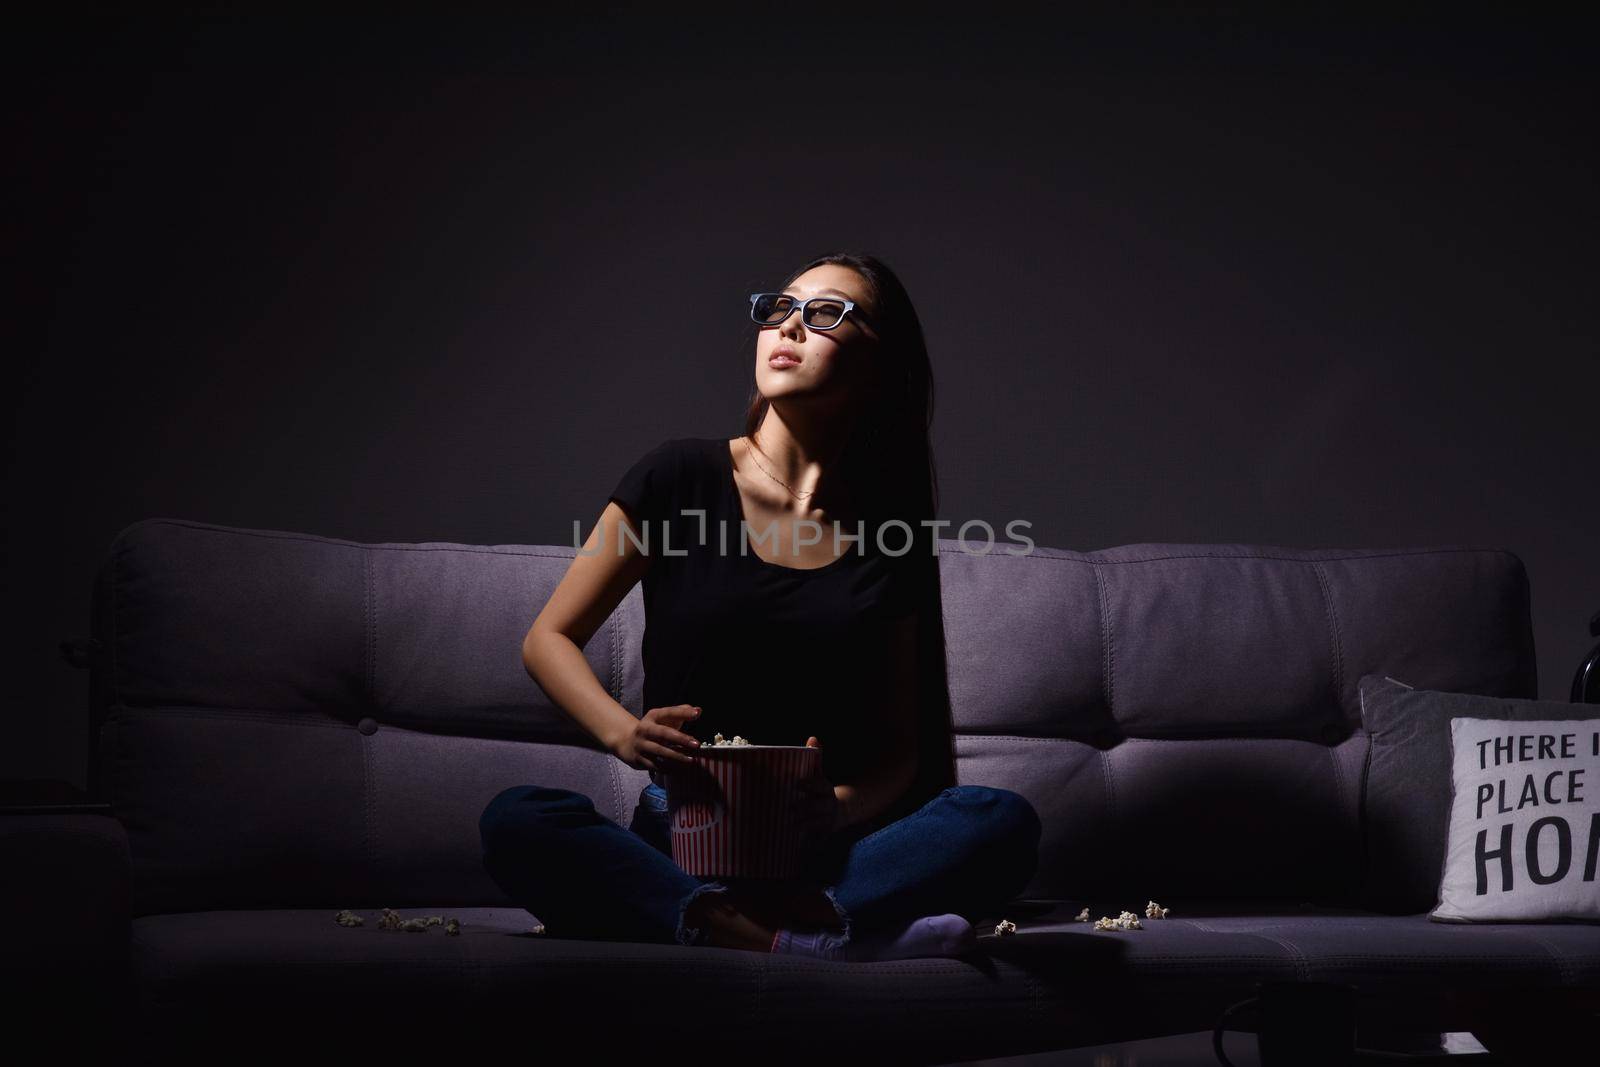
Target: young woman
{"points": [[778, 605]]}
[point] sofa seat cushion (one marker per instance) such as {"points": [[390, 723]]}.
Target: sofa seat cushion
{"points": [[208, 976], [1055, 982], [1201, 941]]}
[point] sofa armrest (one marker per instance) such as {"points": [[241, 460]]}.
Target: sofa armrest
{"points": [[65, 899]]}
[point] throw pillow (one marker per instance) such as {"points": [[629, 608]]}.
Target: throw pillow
{"points": [[1407, 787], [1524, 822]]}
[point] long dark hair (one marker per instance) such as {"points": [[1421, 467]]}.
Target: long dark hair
{"points": [[888, 464]]}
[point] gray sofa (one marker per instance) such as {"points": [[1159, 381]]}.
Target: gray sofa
{"points": [[286, 725]]}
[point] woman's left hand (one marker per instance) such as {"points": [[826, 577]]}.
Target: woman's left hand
{"points": [[818, 809]]}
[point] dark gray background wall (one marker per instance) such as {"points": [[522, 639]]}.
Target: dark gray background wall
{"points": [[1185, 278]]}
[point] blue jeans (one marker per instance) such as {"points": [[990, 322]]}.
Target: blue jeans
{"points": [[967, 851]]}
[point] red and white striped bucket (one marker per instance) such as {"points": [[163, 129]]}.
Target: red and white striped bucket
{"points": [[732, 810]]}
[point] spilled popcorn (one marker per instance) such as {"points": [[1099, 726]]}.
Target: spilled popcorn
{"points": [[391, 920], [1127, 920], [720, 740], [1005, 928]]}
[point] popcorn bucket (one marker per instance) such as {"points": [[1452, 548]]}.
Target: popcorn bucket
{"points": [[732, 809]]}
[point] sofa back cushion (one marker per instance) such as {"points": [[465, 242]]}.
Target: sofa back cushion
{"points": [[293, 720], [1186, 717]]}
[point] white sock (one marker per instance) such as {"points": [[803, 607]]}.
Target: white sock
{"points": [[931, 935]]}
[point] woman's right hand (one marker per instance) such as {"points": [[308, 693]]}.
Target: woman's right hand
{"points": [[656, 737]]}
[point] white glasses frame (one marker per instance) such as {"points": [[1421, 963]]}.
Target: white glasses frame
{"points": [[849, 307]]}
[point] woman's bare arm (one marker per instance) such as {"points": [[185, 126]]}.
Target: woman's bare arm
{"points": [[870, 794], [552, 651]]}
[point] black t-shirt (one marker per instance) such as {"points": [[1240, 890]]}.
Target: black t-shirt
{"points": [[768, 651]]}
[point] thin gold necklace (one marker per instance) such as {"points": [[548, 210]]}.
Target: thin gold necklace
{"points": [[774, 477]]}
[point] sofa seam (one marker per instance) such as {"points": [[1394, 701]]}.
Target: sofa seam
{"points": [[616, 658], [616, 787], [1107, 664], [812, 963], [1362, 826], [1297, 956], [1106, 776], [370, 694], [368, 797], [206, 711], [370, 644], [1334, 635], [1564, 966], [273, 535]]}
